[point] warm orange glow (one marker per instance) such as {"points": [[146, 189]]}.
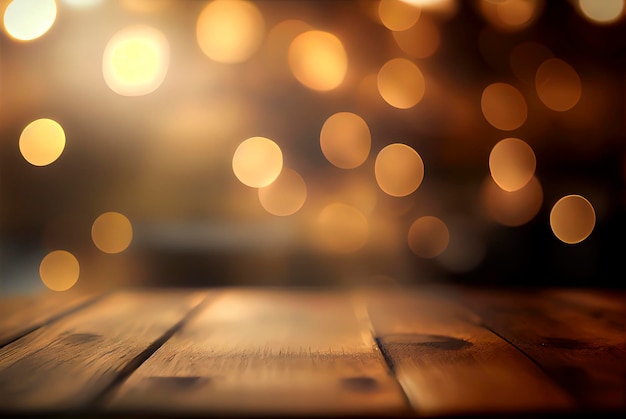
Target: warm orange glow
{"points": [[286, 195], [558, 85], [135, 61], [401, 83], [420, 40], [512, 208], [503, 106], [510, 15], [42, 142], [512, 164], [278, 40], [257, 162], [428, 237], [26, 20], [345, 140], [230, 31], [340, 228], [397, 15], [318, 60], [602, 12], [59, 270], [572, 219], [112, 232], [526, 58], [399, 170]]}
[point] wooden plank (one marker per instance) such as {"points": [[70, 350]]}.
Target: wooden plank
{"points": [[579, 341], [449, 365], [66, 364], [266, 352], [22, 314]]}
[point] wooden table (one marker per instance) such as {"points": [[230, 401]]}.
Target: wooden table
{"points": [[429, 351]]}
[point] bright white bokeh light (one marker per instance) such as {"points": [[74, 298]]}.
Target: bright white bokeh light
{"points": [[25, 20]]}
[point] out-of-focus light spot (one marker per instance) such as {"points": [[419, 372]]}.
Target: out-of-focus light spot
{"points": [[286, 195], [112, 232], [399, 169], [278, 40], [397, 15], [345, 140], [510, 15], [257, 162], [572, 219], [59, 270], [401, 83], [442, 9], [503, 106], [25, 20], [466, 249], [420, 40], [602, 11], [526, 58], [318, 60], [512, 208], [42, 142], [135, 61], [81, 4], [428, 237], [340, 228], [512, 164], [558, 85], [230, 31]]}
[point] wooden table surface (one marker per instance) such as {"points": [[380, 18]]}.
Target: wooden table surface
{"points": [[444, 351]]}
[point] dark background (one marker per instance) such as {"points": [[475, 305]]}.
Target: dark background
{"points": [[196, 225]]}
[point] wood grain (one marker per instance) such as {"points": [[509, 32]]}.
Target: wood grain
{"points": [[267, 352], [66, 364], [22, 314], [579, 340], [448, 364]]}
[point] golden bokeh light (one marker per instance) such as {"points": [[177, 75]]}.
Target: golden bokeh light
{"points": [[399, 169], [602, 12], [318, 60], [401, 83], [59, 270], [112, 232], [420, 40], [512, 164], [42, 142], [558, 85], [257, 162], [428, 237], [277, 44], [397, 15], [503, 106], [135, 60], [341, 228], [572, 219], [345, 140], [286, 195], [510, 15], [512, 208], [230, 31], [526, 58], [26, 20]]}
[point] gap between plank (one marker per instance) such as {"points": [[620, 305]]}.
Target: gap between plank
{"points": [[107, 393], [359, 306], [52, 319]]}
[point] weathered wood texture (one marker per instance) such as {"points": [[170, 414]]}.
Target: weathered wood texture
{"points": [[577, 337], [448, 364], [67, 364], [268, 352], [22, 314]]}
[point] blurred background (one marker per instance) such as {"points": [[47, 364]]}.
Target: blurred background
{"points": [[311, 143]]}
